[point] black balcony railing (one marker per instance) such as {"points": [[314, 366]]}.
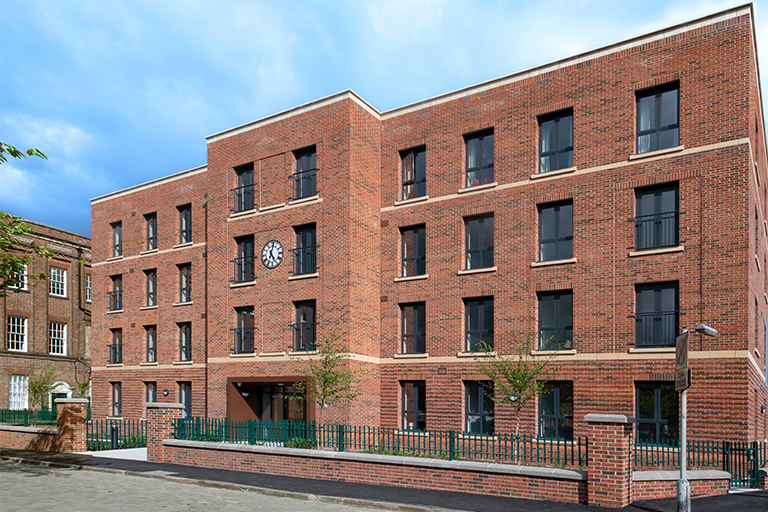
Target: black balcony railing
{"points": [[244, 269], [304, 336], [656, 231], [243, 198], [304, 183], [304, 260], [115, 300], [657, 329], [243, 340], [116, 353]]}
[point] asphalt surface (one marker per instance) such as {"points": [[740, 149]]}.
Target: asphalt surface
{"points": [[303, 492]]}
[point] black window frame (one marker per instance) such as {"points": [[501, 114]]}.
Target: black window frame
{"points": [[549, 338], [185, 283], [485, 411], [481, 254], [656, 130], [415, 238], [658, 228], [413, 341], [659, 326], [185, 223], [559, 244], [117, 239], [483, 172], [245, 263], [185, 341], [151, 337], [305, 328], [116, 295], [413, 165], [562, 152], [185, 398], [116, 348], [150, 222], [413, 405], [243, 195], [244, 332], [561, 420], [305, 254], [151, 391], [305, 178], [478, 307], [117, 399], [151, 287], [665, 427]]}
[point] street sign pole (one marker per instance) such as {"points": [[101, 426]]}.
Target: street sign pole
{"points": [[682, 382]]}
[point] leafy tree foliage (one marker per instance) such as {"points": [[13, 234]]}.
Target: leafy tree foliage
{"points": [[41, 384]]}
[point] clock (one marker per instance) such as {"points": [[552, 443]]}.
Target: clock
{"points": [[272, 254]]}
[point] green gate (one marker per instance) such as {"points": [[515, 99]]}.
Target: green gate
{"points": [[741, 462]]}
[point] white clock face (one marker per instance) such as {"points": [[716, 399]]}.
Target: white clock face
{"points": [[272, 254]]}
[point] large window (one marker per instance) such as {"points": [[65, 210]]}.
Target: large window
{"points": [[413, 324], [151, 332], [658, 124], [305, 254], [478, 323], [556, 141], [656, 223], [556, 411], [116, 295], [556, 231], [657, 411], [185, 223], [117, 239], [88, 287], [479, 242], [656, 315], [57, 341], [18, 392], [479, 408], [185, 398], [244, 331], [244, 263], [117, 399], [414, 165], [244, 194], [151, 230], [17, 333], [58, 282], [116, 348], [185, 341], [304, 328], [414, 405], [18, 281], [556, 320], [151, 276], [305, 178], [185, 282], [414, 251], [479, 153]]}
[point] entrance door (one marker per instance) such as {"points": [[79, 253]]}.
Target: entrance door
{"points": [[275, 404]]}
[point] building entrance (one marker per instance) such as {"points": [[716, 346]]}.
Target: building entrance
{"points": [[265, 401]]}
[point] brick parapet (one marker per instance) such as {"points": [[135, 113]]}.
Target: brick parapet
{"points": [[71, 417], [610, 459], [160, 419]]}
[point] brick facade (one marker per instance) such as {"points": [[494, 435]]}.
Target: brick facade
{"points": [[717, 264]]}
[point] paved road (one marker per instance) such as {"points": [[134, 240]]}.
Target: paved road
{"points": [[26, 487]]}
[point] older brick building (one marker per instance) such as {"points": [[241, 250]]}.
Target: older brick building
{"points": [[605, 200], [47, 323]]}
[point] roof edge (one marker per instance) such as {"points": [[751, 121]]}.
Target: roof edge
{"points": [[149, 184]]}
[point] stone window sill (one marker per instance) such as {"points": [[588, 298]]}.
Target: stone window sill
{"points": [[552, 174], [243, 355], [115, 258], [564, 352], [477, 188], [651, 252], [476, 354], [241, 285], [114, 312], [175, 304], [271, 207], [304, 276], [114, 365], [412, 356], [305, 200], [272, 354], [146, 363], [413, 200], [411, 278], [569, 261], [660, 152], [181, 246], [57, 296], [148, 251], [244, 213], [465, 272], [182, 363], [147, 308], [653, 350], [301, 353]]}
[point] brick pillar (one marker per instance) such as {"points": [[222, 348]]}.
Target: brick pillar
{"points": [[71, 415], [610, 459], [160, 418]]}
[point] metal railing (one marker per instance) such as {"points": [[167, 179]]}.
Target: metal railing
{"points": [[115, 300], [304, 336], [304, 183], [656, 329], [116, 353], [442, 444], [27, 417], [243, 198], [244, 269], [304, 260], [115, 434], [243, 340], [656, 231]]}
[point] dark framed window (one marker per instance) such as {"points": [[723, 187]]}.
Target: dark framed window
{"points": [[185, 341], [657, 412], [414, 165], [151, 391], [414, 251], [479, 407], [116, 295], [656, 315], [243, 194], [116, 348], [245, 261], [305, 178], [151, 332], [556, 411], [185, 398], [151, 278], [658, 118], [150, 220], [479, 242], [479, 158], [244, 331], [117, 399], [656, 221], [413, 327], [185, 223], [478, 323], [117, 239], [556, 320], [556, 141], [185, 282], [305, 326], [556, 231], [305, 254], [414, 402]]}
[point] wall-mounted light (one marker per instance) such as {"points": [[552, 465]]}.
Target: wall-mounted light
{"points": [[165, 392], [762, 409]]}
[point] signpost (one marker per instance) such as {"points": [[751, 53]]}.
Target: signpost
{"points": [[682, 375], [682, 383]]}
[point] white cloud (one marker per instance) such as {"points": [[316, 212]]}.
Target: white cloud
{"points": [[53, 137], [17, 187]]}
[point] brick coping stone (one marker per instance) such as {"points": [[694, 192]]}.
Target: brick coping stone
{"points": [[163, 405], [699, 474], [483, 467], [30, 430], [609, 418], [71, 400]]}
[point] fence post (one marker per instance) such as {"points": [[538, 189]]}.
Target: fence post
{"points": [[160, 420], [71, 423], [341, 438], [451, 445], [251, 432], [610, 460]]}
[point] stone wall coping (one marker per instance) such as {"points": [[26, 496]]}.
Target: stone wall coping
{"points": [[480, 467], [763, 471], [699, 474], [30, 430], [162, 405], [609, 418], [71, 400]]}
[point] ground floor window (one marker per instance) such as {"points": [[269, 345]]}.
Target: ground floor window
{"points": [[657, 411], [479, 408], [18, 392], [185, 398], [151, 391], [556, 411], [117, 399], [414, 405]]}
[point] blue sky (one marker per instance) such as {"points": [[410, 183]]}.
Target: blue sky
{"points": [[117, 93]]}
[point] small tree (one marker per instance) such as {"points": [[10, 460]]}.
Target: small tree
{"points": [[41, 384], [329, 379]]}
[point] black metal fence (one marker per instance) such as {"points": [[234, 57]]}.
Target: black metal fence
{"points": [[115, 434]]}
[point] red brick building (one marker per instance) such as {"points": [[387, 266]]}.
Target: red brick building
{"points": [[604, 201]]}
